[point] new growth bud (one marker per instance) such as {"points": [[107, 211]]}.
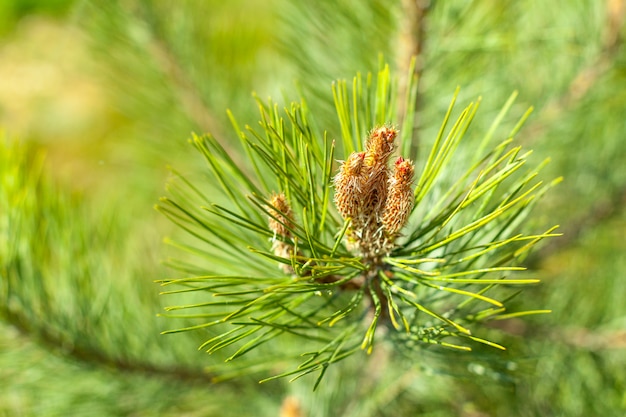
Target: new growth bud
{"points": [[280, 221], [378, 204], [349, 185], [380, 145], [399, 198]]}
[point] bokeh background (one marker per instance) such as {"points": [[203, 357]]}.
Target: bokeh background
{"points": [[98, 97]]}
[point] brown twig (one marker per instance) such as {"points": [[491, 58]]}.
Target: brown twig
{"points": [[411, 44], [591, 340], [579, 337]]}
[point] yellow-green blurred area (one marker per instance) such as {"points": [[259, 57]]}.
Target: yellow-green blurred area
{"points": [[98, 97]]}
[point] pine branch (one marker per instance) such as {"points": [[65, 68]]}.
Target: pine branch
{"points": [[48, 255], [187, 93], [91, 356], [426, 286], [249, 219], [411, 42]]}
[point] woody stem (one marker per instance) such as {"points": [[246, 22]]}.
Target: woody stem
{"points": [[373, 280]]}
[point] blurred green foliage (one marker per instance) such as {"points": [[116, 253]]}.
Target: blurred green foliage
{"points": [[110, 91], [12, 11]]}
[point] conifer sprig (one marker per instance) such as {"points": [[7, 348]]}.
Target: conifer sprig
{"points": [[299, 247]]}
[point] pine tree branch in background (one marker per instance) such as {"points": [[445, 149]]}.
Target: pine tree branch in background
{"points": [[50, 253], [592, 340], [587, 78], [576, 229], [93, 357], [187, 95], [581, 85], [411, 43], [585, 338]]}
